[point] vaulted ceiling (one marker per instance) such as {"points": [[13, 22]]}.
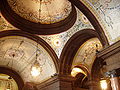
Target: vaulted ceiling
{"points": [[42, 11], [19, 54], [55, 21]]}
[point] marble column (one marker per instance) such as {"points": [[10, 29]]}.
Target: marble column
{"points": [[115, 83]]}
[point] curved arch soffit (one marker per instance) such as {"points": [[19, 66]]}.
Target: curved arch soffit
{"points": [[82, 67], [34, 39], [86, 53], [72, 47]]}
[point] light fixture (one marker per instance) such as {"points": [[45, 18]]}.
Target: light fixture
{"points": [[8, 89], [103, 84], [77, 70], [36, 69]]}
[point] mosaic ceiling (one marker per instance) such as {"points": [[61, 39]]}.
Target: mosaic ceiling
{"points": [[81, 23], [58, 41], [86, 54], [42, 11], [19, 54], [108, 14]]}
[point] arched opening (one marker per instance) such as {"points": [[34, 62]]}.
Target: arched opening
{"points": [[81, 76], [36, 39], [71, 48], [81, 52], [12, 77], [7, 82]]}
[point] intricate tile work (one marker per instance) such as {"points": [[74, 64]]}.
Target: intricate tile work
{"points": [[81, 23], [86, 54], [107, 13], [45, 12]]}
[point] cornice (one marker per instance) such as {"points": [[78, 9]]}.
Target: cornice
{"points": [[109, 51]]}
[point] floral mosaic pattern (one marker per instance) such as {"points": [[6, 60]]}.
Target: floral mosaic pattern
{"points": [[46, 12], [81, 23], [86, 54], [108, 12]]}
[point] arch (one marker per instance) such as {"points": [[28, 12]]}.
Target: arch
{"points": [[81, 81], [14, 75], [81, 78], [93, 21], [36, 39], [84, 68], [72, 46]]}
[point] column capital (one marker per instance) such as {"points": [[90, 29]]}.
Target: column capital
{"points": [[111, 74]]}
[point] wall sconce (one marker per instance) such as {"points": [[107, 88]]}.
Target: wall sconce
{"points": [[103, 84]]}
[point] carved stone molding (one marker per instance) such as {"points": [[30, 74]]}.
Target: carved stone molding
{"points": [[109, 51], [111, 55]]}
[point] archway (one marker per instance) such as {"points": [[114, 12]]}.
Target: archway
{"points": [[71, 48], [14, 75]]}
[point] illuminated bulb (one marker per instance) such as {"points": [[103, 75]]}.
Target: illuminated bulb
{"points": [[76, 70], [103, 84], [35, 71], [7, 89]]}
